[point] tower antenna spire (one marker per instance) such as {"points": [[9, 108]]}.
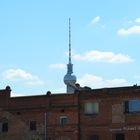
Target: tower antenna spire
{"points": [[69, 41]]}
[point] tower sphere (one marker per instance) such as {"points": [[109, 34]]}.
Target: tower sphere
{"points": [[69, 79]]}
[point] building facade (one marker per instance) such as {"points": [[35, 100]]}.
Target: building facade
{"points": [[86, 114]]}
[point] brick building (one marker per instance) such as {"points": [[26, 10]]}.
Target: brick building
{"points": [[86, 114]]}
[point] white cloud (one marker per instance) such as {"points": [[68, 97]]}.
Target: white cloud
{"points": [[137, 20], [16, 74], [95, 20], [94, 81], [106, 57], [89, 80], [57, 66], [129, 31], [21, 75]]}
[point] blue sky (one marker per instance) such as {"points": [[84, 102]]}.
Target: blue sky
{"points": [[34, 44]]}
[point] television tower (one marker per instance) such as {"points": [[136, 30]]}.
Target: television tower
{"points": [[69, 78]]}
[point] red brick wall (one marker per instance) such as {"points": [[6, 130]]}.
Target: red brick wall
{"points": [[111, 118]]}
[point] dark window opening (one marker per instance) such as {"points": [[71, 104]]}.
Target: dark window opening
{"points": [[63, 120], [93, 137], [32, 125], [119, 137], [5, 127]]}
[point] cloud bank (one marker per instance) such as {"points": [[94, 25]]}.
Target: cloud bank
{"points": [[100, 56], [94, 81], [129, 31], [21, 75]]}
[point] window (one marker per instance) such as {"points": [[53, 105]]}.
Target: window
{"points": [[91, 108], [132, 106], [63, 120], [3, 127], [119, 137], [32, 125], [93, 137]]}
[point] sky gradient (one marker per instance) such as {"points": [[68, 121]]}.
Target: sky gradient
{"points": [[34, 44]]}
